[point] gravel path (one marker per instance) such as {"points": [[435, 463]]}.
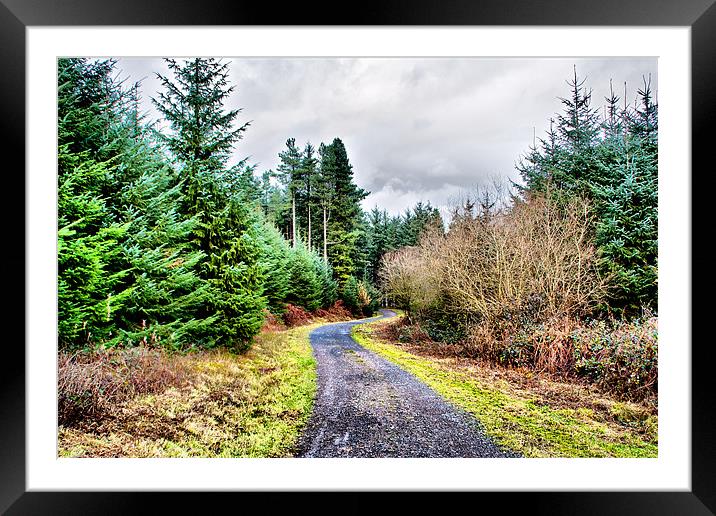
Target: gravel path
{"points": [[367, 406]]}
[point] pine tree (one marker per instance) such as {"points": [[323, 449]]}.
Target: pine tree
{"points": [[339, 198], [612, 162], [201, 137], [291, 174], [325, 191], [309, 164]]}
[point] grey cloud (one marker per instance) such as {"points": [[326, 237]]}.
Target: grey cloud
{"points": [[415, 129]]}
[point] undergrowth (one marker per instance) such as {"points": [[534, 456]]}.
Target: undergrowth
{"points": [[250, 405]]}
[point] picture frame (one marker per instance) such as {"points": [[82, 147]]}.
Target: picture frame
{"points": [[17, 15]]}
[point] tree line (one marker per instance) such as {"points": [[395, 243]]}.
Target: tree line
{"points": [[162, 240], [609, 156], [559, 272]]}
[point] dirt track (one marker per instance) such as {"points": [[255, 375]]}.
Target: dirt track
{"points": [[368, 407]]}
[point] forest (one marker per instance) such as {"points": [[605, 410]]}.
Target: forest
{"points": [[166, 244], [161, 239]]}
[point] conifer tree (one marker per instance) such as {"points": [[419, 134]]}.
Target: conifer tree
{"points": [[340, 199], [201, 137], [612, 162], [309, 163], [291, 175], [92, 269]]}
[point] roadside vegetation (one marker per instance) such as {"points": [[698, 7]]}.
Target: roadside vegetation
{"points": [[536, 415], [144, 402]]}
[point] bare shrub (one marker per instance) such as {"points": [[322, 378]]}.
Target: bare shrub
{"points": [[501, 270], [535, 260], [406, 276], [522, 279]]}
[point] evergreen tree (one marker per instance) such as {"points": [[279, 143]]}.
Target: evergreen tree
{"points": [[305, 284], [613, 162], [167, 291], [92, 270], [276, 264], [126, 272], [309, 164], [201, 137], [339, 198], [627, 204], [90, 264], [328, 285], [385, 233], [291, 174]]}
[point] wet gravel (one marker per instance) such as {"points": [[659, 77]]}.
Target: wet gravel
{"points": [[367, 406]]}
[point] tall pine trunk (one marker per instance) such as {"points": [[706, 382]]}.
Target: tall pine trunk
{"points": [[309, 228], [325, 242], [293, 210]]}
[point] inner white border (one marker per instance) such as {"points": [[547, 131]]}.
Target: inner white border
{"points": [[671, 471]]}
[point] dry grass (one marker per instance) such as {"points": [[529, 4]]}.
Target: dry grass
{"points": [[90, 385], [250, 405]]}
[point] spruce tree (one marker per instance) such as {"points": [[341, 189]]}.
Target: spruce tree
{"points": [[92, 270], [201, 136], [613, 162]]}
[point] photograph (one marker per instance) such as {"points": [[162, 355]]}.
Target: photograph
{"points": [[357, 257], [272, 255]]}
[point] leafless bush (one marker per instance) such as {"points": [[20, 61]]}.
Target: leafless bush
{"points": [[535, 259], [503, 269], [406, 276]]}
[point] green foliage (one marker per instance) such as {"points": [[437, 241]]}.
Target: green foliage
{"points": [[276, 266], [385, 233], [201, 137], [339, 199], [91, 266], [328, 285], [621, 357], [613, 162], [445, 327], [161, 241], [305, 284]]}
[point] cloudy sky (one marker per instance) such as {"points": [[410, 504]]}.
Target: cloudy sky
{"points": [[414, 128]]}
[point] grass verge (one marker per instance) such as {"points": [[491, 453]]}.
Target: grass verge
{"points": [[536, 417], [251, 405]]}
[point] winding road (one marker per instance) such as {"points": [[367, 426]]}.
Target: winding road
{"points": [[367, 406]]}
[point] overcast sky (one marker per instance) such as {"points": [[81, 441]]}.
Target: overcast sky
{"points": [[414, 128]]}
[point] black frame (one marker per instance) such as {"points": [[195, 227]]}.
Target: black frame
{"points": [[16, 15]]}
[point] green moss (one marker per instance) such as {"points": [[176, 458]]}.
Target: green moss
{"points": [[512, 420]]}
